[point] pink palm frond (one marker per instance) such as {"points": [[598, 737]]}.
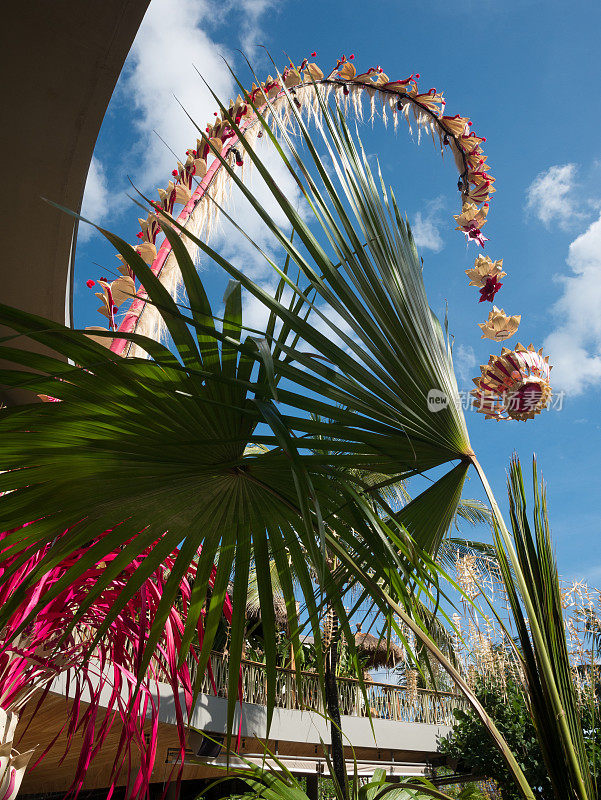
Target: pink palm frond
{"points": [[101, 677]]}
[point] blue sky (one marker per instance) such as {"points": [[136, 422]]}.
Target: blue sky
{"points": [[527, 73]]}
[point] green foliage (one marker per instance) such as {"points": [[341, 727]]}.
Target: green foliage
{"points": [[469, 744], [469, 791], [326, 789], [276, 783]]}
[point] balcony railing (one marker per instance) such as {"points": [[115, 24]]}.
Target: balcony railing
{"points": [[384, 701]]}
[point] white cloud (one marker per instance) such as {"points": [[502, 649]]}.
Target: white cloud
{"points": [[254, 313], [575, 345], [171, 43], [550, 196], [426, 226], [95, 199], [172, 40], [464, 361], [250, 29]]}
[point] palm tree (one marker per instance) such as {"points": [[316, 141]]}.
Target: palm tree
{"points": [[155, 449]]}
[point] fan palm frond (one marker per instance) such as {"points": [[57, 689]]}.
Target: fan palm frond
{"points": [[154, 452], [474, 512]]}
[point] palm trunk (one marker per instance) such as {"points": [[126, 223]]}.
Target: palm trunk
{"points": [[333, 709]]}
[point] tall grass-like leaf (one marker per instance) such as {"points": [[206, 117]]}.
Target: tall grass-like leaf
{"points": [[534, 584]]}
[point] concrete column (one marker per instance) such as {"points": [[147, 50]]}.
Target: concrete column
{"points": [[59, 60], [313, 786]]}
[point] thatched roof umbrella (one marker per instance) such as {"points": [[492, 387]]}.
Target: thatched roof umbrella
{"points": [[253, 607], [377, 652], [253, 611]]}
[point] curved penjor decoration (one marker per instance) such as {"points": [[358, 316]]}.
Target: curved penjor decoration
{"points": [[200, 184], [201, 177]]}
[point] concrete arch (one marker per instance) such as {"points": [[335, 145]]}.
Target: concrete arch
{"points": [[61, 61]]}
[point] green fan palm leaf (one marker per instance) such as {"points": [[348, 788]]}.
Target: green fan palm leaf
{"points": [[157, 467], [156, 450]]}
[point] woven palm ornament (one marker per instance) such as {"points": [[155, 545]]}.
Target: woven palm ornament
{"points": [[513, 385]]}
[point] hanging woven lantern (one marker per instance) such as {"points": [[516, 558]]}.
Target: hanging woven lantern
{"points": [[486, 276], [514, 385], [485, 268], [498, 326]]}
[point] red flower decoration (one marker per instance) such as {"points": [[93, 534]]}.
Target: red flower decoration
{"points": [[489, 290], [90, 283], [313, 55]]}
